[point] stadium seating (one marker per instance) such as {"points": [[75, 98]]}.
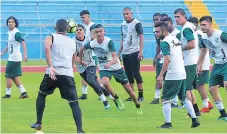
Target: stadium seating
{"points": [[37, 18]]}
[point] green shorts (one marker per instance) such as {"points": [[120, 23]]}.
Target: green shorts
{"points": [[119, 75], [218, 75], [13, 69], [171, 88], [203, 78], [190, 77]]}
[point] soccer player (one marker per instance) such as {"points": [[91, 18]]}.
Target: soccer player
{"points": [[132, 50], [203, 78], [157, 61], [85, 17], [88, 70], [60, 53], [104, 49], [176, 33], [13, 67], [189, 40], [216, 41], [173, 66]]}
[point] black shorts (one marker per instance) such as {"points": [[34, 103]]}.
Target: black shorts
{"points": [[66, 85]]}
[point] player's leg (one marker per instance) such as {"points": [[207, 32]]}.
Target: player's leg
{"points": [[170, 89], [105, 79], [18, 83], [66, 85], [9, 83], [128, 71], [84, 90], [47, 87], [90, 78], [135, 67], [158, 86]]}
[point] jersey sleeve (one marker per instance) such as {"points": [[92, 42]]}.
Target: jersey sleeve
{"points": [[111, 46], [188, 34], [139, 28], [165, 48], [87, 45], [224, 37], [178, 36], [18, 37]]}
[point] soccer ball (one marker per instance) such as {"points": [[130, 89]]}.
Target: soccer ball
{"points": [[72, 26]]}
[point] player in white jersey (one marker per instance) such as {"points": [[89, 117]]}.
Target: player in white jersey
{"points": [[131, 48], [173, 66], [203, 78], [88, 71], [156, 61], [60, 54], [216, 41], [85, 17], [190, 47], [104, 49], [13, 68]]}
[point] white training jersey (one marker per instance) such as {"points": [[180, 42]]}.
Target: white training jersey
{"points": [[14, 52], [87, 55], [131, 38], [206, 63], [176, 69], [88, 32], [62, 51], [190, 56], [217, 47], [104, 53]]}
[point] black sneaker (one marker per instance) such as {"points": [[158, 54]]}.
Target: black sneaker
{"points": [[83, 97], [129, 99], [174, 105], [140, 99], [80, 132], [195, 123], [6, 96], [23, 96], [166, 125], [36, 126], [155, 101]]}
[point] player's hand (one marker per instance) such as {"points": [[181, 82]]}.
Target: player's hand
{"points": [[140, 55], [106, 66], [199, 69], [77, 59], [52, 73], [83, 63], [160, 79], [25, 58]]}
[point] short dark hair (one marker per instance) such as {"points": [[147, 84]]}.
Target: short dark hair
{"points": [[206, 18], [127, 8], [99, 26], [92, 27], [193, 20], [167, 19], [83, 12], [61, 25], [15, 20], [157, 14], [180, 10], [164, 15], [80, 25], [162, 25]]}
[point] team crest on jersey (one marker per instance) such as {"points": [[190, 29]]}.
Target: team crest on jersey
{"points": [[217, 40]]}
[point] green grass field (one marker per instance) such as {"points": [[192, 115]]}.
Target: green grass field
{"points": [[17, 115]]}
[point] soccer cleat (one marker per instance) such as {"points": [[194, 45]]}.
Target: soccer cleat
{"points": [[195, 123], [106, 105], [140, 99], [205, 110], [36, 126], [139, 111], [210, 105], [129, 99], [166, 125], [174, 105], [222, 118], [155, 101], [119, 104], [6, 96], [80, 132], [83, 97], [23, 96]]}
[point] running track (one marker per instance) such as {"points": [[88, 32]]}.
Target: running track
{"points": [[143, 68]]}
